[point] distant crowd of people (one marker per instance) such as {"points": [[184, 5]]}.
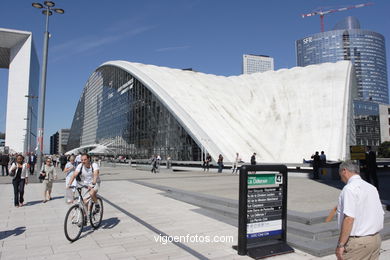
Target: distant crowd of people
{"points": [[368, 165], [20, 167], [155, 162], [236, 163]]}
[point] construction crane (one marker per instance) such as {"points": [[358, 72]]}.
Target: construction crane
{"points": [[322, 13]]}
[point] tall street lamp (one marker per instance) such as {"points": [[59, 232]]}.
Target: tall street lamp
{"points": [[48, 8]]}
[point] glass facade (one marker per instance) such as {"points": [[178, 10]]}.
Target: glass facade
{"points": [[117, 110], [367, 123], [32, 103], [366, 50]]}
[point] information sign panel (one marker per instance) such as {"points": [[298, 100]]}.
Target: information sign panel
{"points": [[358, 152], [263, 211]]}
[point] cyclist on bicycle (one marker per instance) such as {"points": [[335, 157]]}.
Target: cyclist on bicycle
{"points": [[89, 175]]}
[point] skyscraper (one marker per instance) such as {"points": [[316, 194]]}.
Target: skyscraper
{"points": [[59, 141], [256, 63], [364, 48]]}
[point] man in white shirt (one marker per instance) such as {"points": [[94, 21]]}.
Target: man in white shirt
{"points": [[89, 173], [360, 216]]}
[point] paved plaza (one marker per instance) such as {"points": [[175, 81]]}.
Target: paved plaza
{"points": [[136, 214]]}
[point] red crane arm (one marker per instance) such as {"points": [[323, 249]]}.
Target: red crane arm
{"points": [[321, 13]]}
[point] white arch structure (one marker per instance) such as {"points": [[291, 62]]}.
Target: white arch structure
{"points": [[282, 115], [18, 55]]}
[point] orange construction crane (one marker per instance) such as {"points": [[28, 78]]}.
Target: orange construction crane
{"points": [[322, 13]]}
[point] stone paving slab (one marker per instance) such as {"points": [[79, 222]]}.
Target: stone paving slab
{"points": [[133, 216]]}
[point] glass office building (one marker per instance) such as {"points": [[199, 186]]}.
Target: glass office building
{"points": [[367, 123], [256, 63], [366, 50], [117, 110]]}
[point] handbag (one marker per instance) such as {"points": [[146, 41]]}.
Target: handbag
{"points": [[42, 176], [13, 172]]}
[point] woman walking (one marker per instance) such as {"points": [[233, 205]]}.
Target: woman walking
{"points": [[236, 162], [69, 170], [49, 173], [20, 179], [220, 163]]}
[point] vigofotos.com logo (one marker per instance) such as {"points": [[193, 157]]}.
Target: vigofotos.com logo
{"points": [[165, 239]]}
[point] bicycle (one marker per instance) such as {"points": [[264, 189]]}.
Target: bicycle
{"points": [[76, 217]]}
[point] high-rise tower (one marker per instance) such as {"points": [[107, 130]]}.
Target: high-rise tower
{"points": [[347, 41]]}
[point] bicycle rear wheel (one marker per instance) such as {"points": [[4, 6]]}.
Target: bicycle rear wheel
{"points": [[74, 223], [96, 213]]}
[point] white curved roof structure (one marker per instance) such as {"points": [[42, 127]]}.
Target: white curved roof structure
{"points": [[282, 115]]}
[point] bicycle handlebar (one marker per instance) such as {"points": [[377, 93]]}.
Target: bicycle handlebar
{"points": [[78, 186]]}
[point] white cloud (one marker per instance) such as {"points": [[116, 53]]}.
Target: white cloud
{"points": [[90, 42]]}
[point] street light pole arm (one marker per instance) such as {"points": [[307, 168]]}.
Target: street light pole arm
{"points": [[47, 20]]}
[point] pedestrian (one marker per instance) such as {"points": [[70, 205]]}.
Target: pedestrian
{"points": [[316, 165], [32, 160], [158, 163], [49, 173], [19, 175], [70, 167], [12, 158], [206, 163], [253, 159], [220, 163], [370, 174], [360, 216], [58, 164], [4, 161], [235, 163], [322, 169], [154, 164], [322, 159], [63, 161], [169, 162], [78, 159]]}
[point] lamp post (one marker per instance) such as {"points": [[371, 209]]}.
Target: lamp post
{"points": [[48, 7]]}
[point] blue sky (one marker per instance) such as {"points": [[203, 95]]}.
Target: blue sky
{"points": [[208, 35]]}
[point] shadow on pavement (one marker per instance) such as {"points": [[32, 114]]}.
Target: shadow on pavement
{"points": [[32, 203], [106, 224], [109, 223], [16, 232]]}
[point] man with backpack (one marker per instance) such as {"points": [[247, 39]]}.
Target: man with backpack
{"points": [[88, 173]]}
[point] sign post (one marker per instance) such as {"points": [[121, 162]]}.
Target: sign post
{"points": [[262, 216]]}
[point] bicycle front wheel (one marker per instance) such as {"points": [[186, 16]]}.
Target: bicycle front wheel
{"points": [[74, 223], [96, 213]]}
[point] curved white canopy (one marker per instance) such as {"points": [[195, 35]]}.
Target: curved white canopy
{"points": [[282, 115], [91, 149]]}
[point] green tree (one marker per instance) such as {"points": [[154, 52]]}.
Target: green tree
{"points": [[384, 150]]}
